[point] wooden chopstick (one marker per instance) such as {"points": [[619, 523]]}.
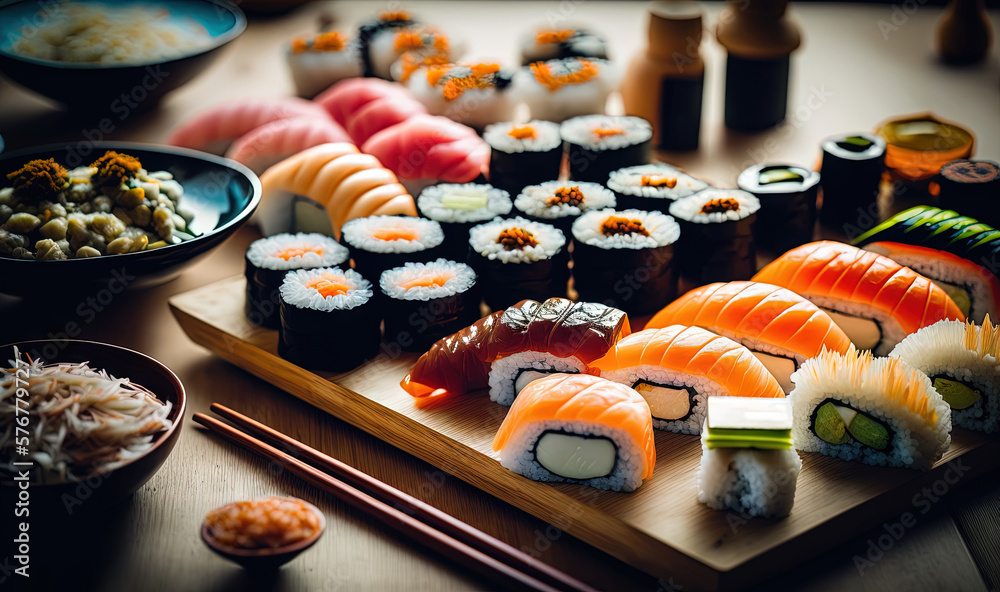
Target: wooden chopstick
{"points": [[424, 512], [421, 533]]}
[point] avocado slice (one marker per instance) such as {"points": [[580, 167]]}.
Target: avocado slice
{"points": [[956, 394], [869, 432], [829, 425]]}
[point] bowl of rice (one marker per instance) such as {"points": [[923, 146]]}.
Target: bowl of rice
{"points": [[112, 56], [101, 421]]}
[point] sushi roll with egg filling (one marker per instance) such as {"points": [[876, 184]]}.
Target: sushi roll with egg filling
{"points": [[961, 360], [601, 144], [876, 301], [625, 258], [556, 90], [852, 169], [328, 321], [419, 42], [652, 186], [971, 187], [378, 243], [878, 411], [269, 259], [377, 35], [787, 195], [780, 328], [717, 235], [523, 154], [748, 463], [320, 61], [427, 301], [472, 94], [579, 429], [519, 259], [677, 369], [548, 43], [457, 207], [560, 203]]}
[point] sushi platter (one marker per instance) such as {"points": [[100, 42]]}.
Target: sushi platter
{"points": [[660, 528]]}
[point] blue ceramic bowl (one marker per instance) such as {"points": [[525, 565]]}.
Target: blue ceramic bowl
{"points": [[223, 194], [114, 89]]}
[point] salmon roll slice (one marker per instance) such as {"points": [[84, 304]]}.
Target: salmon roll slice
{"points": [[579, 428], [781, 328], [677, 368], [876, 301]]}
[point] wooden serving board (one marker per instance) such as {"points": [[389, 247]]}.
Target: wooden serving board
{"points": [[661, 528]]}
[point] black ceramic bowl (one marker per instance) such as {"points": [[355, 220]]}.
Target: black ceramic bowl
{"points": [[223, 194], [107, 87], [57, 501]]}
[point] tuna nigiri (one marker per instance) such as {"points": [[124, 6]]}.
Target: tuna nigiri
{"points": [[580, 429], [677, 368], [342, 100], [380, 114], [781, 328], [275, 141], [430, 147], [214, 129], [875, 300]]}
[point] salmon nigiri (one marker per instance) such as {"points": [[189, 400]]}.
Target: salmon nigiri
{"points": [[876, 301], [677, 368], [581, 429], [214, 129], [430, 147], [777, 325], [273, 142]]}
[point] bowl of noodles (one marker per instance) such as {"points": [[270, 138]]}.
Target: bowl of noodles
{"points": [[83, 425], [112, 57]]}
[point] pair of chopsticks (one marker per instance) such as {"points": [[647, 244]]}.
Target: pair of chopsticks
{"points": [[423, 523]]}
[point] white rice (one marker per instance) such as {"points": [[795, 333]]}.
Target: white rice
{"points": [[628, 181], [663, 230], [463, 278], [483, 239], [430, 202], [940, 350], [314, 71], [758, 482], [914, 443], [533, 199], [689, 208], [703, 387], [569, 100], [519, 454], [580, 131], [476, 107], [295, 292], [546, 137], [262, 252], [359, 233], [504, 371]]}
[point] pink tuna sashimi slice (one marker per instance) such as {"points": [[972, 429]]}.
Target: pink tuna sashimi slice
{"points": [[214, 129], [380, 114], [342, 100], [430, 147], [275, 141]]}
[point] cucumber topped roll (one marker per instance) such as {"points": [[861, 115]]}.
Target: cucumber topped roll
{"points": [[457, 207], [787, 195]]}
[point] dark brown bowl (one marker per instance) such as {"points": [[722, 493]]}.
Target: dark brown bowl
{"points": [[57, 502], [265, 559]]}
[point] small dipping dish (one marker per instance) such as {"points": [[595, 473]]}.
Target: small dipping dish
{"points": [[917, 146], [285, 528]]}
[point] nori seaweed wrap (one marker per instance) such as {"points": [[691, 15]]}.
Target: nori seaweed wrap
{"points": [[717, 235], [523, 154], [787, 195], [852, 174], [600, 144], [971, 187]]}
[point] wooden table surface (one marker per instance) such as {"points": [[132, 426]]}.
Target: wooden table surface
{"points": [[859, 65]]}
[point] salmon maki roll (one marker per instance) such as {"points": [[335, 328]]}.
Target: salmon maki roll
{"points": [[677, 368], [876, 301], [579, 429], [780, 328]]}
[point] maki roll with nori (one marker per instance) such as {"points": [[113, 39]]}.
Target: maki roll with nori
{"points": [[556, 90], [787, 195], [717, 235], [625, 259], [457, 207], [971, 187], [852, 169], [328, 321], [371, 35], [269, 259], [560, 203], [427, 301], [548, 43], [600, 144], [523, 154], [319, 61], [378, 243], [518, 259], [472, 94], [652, 186], [396, 56]]}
